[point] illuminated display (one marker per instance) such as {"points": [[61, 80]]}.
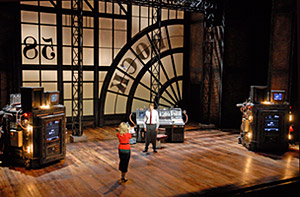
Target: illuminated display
{"points": [[164, 114], [52, 130], [277, 97], [54, 98], [272, 123]]}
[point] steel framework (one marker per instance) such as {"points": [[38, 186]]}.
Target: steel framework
{"points": [[186, 5], [155, 53], [77, 76], [213, 43]]}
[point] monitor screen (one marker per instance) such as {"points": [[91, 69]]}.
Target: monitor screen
{"points": [[176, 112], [164, 114], [140, 114], [272, 123], [54, 98], [52, 130], [277, 97]]}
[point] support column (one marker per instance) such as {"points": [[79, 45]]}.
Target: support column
{"points": [[77, 53], [281, 46]]}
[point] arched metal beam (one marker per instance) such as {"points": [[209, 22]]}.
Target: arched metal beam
{"points": [[142, 73], [119, 57]]}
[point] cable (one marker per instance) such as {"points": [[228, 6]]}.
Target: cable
{"points": [[131, 120]]}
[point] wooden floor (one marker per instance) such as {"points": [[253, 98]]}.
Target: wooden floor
{"points": [[207, 159]]}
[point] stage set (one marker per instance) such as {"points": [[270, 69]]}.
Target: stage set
{"points": [[222, 76], [209, 162]]}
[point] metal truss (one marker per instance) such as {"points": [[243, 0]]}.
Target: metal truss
{"points": [[155, 53], [186, 5], [77, 78], [212, 37]]}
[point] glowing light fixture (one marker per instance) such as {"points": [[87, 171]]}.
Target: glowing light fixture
{"points": [[29, 128], [290, 136], [266, 103], [251, 118], [249, 135], [45, 107], [290, 117]]}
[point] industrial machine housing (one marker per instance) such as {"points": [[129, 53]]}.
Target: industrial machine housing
{"points": [[33, 131], [265, 122], [170, 119]]}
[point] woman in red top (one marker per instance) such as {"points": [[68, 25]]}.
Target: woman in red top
{"points": [[124, 149]]}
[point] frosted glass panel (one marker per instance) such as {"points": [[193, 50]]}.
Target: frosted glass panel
{"points": [[142, 92], [48, 32], [121, 104], [68, 105], [88, 75], [67, 91], [67, 56], [120, 24], [88, 56], [50, 57], [116, 9], [102, 75], [29, 17], [88, 108], [105, 57], [105, 23], [67, 75], [176, 30], [29, 2], [176, 41], [164, 14], [144, 11], [180, 14], [49, 86], [88, 37], [120, 39], [109, 103], [180, 87], [47, 18], [109, 8], [105, 38], [49, 75], [31, 85], [172, 14], [86, 7], [29, 30], [45, 4], [138, 104], [31, 75], [66, 36], [178, 58], [101, 6], [88, 91], [135, 26], [167, 63], [135, 10], [144, 23], [32, 54]]}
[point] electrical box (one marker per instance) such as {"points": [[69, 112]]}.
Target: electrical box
{"points": [[16, 138]]}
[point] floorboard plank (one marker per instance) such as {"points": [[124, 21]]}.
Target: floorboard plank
{"points": [[207, 159]]}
